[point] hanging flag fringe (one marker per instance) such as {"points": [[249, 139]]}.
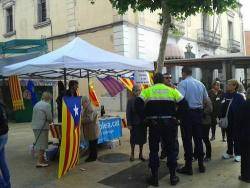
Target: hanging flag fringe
{"points": [[16, 93]]}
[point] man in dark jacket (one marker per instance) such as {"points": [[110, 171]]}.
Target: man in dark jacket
{"points": [[243, 122], [5, 177]]}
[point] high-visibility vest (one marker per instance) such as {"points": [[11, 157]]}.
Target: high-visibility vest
{"points": [[160, 100]]}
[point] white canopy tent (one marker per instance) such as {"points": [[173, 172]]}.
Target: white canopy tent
{"points": [[79, 59]]}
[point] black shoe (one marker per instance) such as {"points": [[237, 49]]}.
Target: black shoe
{"points": [[163, 156], [90, 159], [244, 179], [185, 170], [224, 140], [174, 180], [153, 181], [142, 159], [202, 169], [194, 159], [207, 159], [212, 138], [132, 158]]}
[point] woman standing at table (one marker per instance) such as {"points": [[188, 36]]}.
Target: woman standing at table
{"points": [[91, 129], [138, 132], [41, 118]]}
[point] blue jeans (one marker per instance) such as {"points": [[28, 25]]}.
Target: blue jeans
{"points": [[5, 177]]}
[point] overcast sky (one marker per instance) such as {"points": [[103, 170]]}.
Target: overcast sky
{"points": [[246, 13]]}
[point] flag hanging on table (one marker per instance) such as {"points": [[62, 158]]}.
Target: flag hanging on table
{"points": [[92, 95], [70, 143]]}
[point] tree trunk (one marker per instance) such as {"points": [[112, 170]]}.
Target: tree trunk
{"points": [[166, 18]]}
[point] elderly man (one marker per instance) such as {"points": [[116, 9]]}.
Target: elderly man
{"points": [[41, 118], [195, 94]]}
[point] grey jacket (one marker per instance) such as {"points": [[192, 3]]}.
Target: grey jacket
{"points": [[208, 109], [42, 115]]}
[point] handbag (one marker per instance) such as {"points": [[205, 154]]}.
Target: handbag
{"points": [[223, 122]]}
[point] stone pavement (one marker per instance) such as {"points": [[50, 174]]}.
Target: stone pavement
{"points": [[24, 174]]}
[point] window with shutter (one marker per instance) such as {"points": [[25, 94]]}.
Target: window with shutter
{"points": [[9, 19], [42, 11]]}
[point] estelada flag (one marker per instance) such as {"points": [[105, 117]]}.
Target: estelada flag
{"points": [[69, 150], [93, 97]]}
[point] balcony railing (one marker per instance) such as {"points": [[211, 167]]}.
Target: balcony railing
{"points": [[233, 46], [208, 38]]}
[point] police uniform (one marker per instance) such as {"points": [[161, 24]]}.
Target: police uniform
{"points": [[191, 127], [160, 111]]}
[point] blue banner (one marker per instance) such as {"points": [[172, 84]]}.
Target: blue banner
{"points": [[110, 129]]}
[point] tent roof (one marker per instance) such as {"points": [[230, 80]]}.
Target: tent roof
{"points": [[77, 57]]}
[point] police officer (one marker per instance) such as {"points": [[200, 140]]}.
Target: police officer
{"points": [[167, 82], [195, 94], [160, 111]]}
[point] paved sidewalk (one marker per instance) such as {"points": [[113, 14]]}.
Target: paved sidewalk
{"points": [[220, 173]]}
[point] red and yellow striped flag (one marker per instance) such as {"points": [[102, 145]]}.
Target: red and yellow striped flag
{"points": [[128, 83], [69, 150], [144, 86], [93, 97], [16, 93]]}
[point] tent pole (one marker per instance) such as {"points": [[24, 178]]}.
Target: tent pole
{"points": [[88, 83], [117, 77], [65, 80]]}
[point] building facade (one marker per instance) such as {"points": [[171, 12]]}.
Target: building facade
{"points": [[135, 34], [247, 43]]}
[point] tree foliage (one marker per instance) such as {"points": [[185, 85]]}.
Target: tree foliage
{"points": [[177, 8]]}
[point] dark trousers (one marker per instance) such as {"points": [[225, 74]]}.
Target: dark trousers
{"points": [[93, 149], [164, 146], [233, 141], [165, 130], [205, 138], [223, 133], [245, 160], [163, 149], [192, 127], [5, 174], [213, 125]]}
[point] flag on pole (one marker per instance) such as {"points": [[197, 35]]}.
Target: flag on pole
{"points": [[128, 83], [112, 85], [92, 95], [69, 150], [16, 93]]}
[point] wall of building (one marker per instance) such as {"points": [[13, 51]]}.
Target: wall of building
{"points": [[247, 42]]}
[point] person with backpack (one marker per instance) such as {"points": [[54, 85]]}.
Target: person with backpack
{"points": [[5, 174]]}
